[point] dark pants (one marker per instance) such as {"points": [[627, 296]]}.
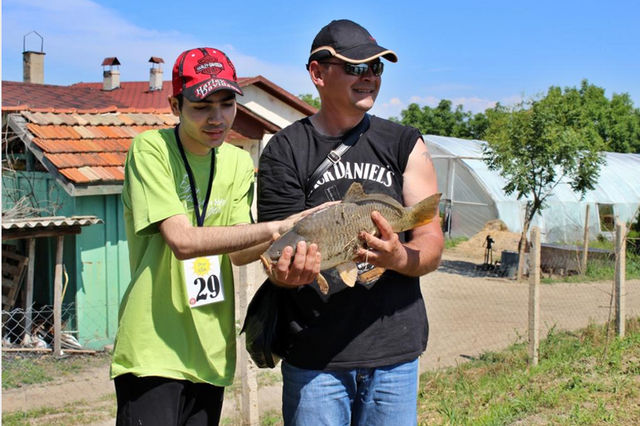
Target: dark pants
{"points": [[161, 401]]}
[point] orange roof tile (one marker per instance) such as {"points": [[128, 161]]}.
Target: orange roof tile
{"points": [[90, 148]]}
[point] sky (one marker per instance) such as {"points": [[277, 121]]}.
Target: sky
{"points": [[474, 53]]}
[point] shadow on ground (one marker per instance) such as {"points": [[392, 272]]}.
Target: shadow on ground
{"points": [[471, 269]]}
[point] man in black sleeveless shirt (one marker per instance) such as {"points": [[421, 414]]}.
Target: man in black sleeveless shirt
{"points": [[351, 357]]}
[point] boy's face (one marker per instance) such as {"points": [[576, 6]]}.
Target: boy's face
{"points": [[204, 125]]}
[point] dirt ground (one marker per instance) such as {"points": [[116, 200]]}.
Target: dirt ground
{"points": [[469, 313]]}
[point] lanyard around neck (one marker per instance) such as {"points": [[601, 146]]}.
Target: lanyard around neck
{"points": [[192, 183]]}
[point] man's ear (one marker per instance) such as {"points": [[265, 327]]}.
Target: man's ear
{"points": [[316, 73], [175, 107]]}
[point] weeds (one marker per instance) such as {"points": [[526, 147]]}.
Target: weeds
{"points": [[574, 383]]}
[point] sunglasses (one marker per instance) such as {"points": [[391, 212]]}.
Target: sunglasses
{"points": [[359, 69]]}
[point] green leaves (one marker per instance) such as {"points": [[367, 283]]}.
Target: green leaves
{"points": [[538, 142]]}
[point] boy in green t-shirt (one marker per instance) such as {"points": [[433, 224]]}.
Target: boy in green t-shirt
{"points": [[187, 197]]}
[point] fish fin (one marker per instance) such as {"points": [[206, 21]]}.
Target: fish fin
{"points": [[422, 213], [348, 272], [367, 277], [355, 192], [323, 284]]}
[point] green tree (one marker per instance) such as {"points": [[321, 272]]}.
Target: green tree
{"points": [[443, 120], [311, 100], [539, 142]]}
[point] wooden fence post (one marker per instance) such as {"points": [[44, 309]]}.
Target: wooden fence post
{"points": [[248, 404], [585, 244], [534, 296], [620, 277]]}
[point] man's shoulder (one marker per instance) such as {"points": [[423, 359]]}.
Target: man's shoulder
{"points": [[293, 128], [284, 137]]}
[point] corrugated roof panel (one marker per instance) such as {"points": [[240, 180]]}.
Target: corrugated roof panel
{"points": [[52, 118], [50, 221]]}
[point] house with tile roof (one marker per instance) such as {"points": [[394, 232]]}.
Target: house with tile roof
{"points": [[63, 155]]}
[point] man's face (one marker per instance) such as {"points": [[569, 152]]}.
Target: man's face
{"points": [[204, 125], [349, 91]]}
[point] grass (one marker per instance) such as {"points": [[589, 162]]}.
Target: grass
{"points": [[450, 243], [76, 413], [25, 368], [585, 377], [601, 270]]}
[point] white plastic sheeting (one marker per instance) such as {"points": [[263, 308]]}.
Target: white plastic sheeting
{"points": [[473, 195]]}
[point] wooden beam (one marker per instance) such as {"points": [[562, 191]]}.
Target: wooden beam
{"points": [[57, 299], [28, 303]]}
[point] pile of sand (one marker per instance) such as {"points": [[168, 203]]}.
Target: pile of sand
{"points": [[503, 239]]}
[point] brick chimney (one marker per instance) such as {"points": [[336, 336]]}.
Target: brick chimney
{"points": [[110, 74], [155, 73], [32, 62]]}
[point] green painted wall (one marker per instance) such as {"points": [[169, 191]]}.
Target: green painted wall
{"points": [[96, 260]]}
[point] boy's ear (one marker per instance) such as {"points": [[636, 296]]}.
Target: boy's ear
{"points": [[175, 106]]}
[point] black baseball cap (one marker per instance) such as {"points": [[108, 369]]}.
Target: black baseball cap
{"points": [[348, 41]]}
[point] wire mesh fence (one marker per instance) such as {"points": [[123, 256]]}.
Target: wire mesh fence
{"points": [[473, 307]]}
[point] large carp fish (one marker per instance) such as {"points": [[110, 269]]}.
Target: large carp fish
{"points": [[336, 230]]}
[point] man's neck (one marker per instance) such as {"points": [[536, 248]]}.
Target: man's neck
{"points": [[335, 124]]}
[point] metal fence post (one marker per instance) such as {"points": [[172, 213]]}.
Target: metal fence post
{"points": [[620, 277], [534, 296]]}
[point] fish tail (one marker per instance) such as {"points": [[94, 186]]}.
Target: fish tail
{"points": [[423, 212]]}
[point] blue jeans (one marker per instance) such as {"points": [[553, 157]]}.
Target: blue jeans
{"points": [[363, 396]]}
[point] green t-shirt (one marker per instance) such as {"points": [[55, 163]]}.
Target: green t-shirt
{"points": [[158, 333]]}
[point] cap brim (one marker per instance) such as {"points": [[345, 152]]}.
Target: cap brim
{"points": [[359, 54], [199, 92]]}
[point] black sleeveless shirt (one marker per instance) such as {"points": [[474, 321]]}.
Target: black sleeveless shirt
{"points": [[364, 326]]}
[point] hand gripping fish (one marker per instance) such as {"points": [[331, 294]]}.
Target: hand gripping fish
{"points": [[335, 229]]}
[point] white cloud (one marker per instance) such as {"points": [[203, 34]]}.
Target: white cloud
{"points": [[79, 34], [394, 106]]}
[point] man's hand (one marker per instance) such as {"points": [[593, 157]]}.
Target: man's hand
{"points": [[296, 270], [386, 250]]}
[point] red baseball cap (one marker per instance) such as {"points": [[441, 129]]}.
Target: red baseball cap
{"points": [[200, 72]]}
